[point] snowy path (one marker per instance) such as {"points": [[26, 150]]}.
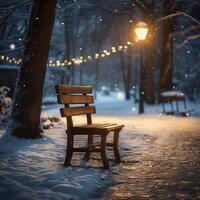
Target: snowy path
{"points": [[170, 169], [160, 157]]}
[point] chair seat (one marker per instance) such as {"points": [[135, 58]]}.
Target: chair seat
{"points": [[96, 128]]}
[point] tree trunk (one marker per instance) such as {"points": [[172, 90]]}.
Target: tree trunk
{"points": [[81, 75], [128, 75], [97, 71], [67, 49], [150, 95], [122, 66], [167, 48], [141, 84], [74, 43], [2, 35], [149, 52], [25, 117], [96, 78]]}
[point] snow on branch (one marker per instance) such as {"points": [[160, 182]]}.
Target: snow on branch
{"points": [[185, 32], [189, 39], [176, 15]]}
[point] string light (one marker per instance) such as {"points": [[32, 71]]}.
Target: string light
{"points": [[96, 56], [120, 48], [105, 51], [75, 61]]}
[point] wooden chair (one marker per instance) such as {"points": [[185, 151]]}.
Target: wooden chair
{"points": [[82, 95]]}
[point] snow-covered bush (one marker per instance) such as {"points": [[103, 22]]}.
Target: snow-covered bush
{"points": [[5, 105], [5, 108]]}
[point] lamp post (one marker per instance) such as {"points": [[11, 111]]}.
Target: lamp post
{"points": [[141, 30]]}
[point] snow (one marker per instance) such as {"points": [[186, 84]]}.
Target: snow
{"points": [[172, 93], [11, 67], [32, 169], [49, 100]]}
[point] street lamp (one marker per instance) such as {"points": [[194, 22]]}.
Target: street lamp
{"points": [[141, 30]]}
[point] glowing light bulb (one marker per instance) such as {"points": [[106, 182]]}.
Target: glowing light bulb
{"points": [[141, 31]]}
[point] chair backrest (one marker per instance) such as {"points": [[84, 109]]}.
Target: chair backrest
{"points": [[67, 94]]}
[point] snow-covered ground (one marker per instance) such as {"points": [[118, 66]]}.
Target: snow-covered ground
{"points": [[32, 169]]}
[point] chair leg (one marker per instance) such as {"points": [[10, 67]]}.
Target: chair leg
{"points": [[69, 152], [184, 104], [172, 106], [115, 146], [177, 107], [163, 106], [103, 152], [90, 143]]}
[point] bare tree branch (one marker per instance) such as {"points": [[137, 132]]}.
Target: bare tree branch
{"points": [[116, 12], [186, 31], [189, 39], [12, 10], [176, 15]]}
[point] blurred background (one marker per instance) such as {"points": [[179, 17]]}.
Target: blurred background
{"points": [[89, 28]]}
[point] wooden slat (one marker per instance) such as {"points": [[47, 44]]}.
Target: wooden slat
{"points": [[90, 125], [74, 131], [74, 99], [112, 127], [96, 125], [66, 112], [66, 89], [97, 129], [105, 126]]}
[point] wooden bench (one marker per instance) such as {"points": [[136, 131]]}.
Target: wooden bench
{"points": [[170, 97], [77, 95]]}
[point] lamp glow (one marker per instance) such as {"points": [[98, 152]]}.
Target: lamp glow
{"points": [[141, 31]]}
